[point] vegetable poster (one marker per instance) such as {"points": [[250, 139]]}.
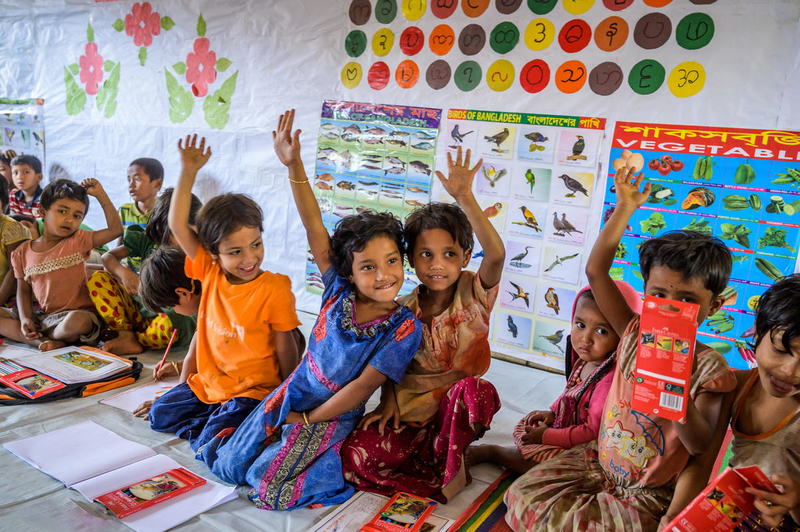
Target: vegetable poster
{"points": [[22, 125], [536, 186], [372, 156], [741, 185]]}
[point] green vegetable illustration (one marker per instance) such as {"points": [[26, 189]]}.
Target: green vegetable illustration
{"points": [[776, 238], [792, 208], [755, 202], [700, 225], [622, 251], [740, 258], [769, 269], [720, 347], [616, 273], [703, 168], [653, 224], [735, 202], [736, 232], [720, 322], [792, 176], [744, 174]]}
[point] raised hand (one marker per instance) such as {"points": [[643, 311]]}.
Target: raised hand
{"points": [[93, 187], [286, 143], [458, 182], [628, 194], [193, 156]]}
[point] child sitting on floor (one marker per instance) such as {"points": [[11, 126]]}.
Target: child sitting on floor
{"points": [[115, 296], [26, 173], [145, 177], [52, 266], [12, 234], [288, 448], [420, 433], [575, 417], [640, 464], [245, 346]]}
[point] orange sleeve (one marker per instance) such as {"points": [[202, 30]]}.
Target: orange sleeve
{"points": [[200, 266], [280, 310]]}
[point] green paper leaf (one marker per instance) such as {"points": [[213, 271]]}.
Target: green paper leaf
{"points": [[111, 89], [223, 63], [74, 68], [102, 96], [167, 23], [107, 66], [217, 105], [111, 108], [201, 26], [118, 25], [180, 68], [76, 96], [89, 32], [142, 55], [181, 102]]}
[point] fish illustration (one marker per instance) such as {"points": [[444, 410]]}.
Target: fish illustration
{"points": [[376, 131], [424, 146], [422, 135], [391, 195], [420, 167], [370, 167], [330, 135], [368, 183], [345, 185], [415, 203], [396, 142], [373, 140], [400, 134], [326, 152], [354, 129], [328, 126], [349, 137], [322, 186], [325, 177], [417, 190], [395, 161], [395, 170]]}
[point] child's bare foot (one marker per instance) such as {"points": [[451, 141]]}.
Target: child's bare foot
{"points": [[49, 345], [124, 344]]}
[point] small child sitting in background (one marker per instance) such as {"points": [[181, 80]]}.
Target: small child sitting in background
{"points": [[12, 234], [575, 417], [52, 266], [114, 292], [145, 177], [26, 174], [5, 167]]}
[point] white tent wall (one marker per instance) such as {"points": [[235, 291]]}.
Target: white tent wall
{"points": [[290, 53]]}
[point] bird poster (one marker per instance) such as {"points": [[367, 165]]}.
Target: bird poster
{"points": [[22, 126], [371, 156], [537, 185]]}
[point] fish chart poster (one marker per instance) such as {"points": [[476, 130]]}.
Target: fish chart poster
{"points": [[536, 185], [22, 124], [741, 185], [372, 156]]}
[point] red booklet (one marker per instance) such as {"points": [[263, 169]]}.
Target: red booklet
{"points": [[403, 513], [28, 382], [144, 494], [724, 502], [664, 359]]}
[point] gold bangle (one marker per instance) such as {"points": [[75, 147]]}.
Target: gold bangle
{"points": [[298, 182], [305, 418], [175, 365]]}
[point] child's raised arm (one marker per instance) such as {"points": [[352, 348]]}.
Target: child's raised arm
{"points": [[193, 158], [458, 184], [114, 229], [609, 298], [287, 148]]}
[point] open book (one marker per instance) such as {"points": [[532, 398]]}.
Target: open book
{"points": [[95, 461], [70, 365]]}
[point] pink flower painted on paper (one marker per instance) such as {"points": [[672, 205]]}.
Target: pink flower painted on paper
{"points": [[201, 67], [142, 23], [91, 68]]}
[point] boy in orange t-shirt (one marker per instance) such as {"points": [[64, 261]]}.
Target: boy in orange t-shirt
{"points": [[245, 346]]}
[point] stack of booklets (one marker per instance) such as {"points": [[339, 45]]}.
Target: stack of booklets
{"points": [[123, 479]]}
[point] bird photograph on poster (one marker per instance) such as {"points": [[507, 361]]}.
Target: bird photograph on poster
{"points": [[567, 225], [496, 141], [550, 338], [526, 218], [494, 178], [513, 329], [571, 188], [532, 183], [495, 211], [578, 148], [561, 264], [461, 134], [555, 302], [522, 257], [518, 294], [536, 144]]}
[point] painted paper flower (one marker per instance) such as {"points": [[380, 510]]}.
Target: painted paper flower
{"points": [[201, 67], [142, 23], [91, 68]]}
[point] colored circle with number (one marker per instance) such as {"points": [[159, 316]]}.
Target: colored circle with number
{"points": [[500, 75], [412, 40], [687, 79], [507, 7], [611, 34], [657, 3], [414, 9], [355, 43], [652, 31], [646, 76], [385, 11], [541, 7], [443, 8], [504, 37], [474, 8], [472, 39], [382, 42], [539, 34], [694, 31], [438, 74], [617, 5], [535, 76], [407, 74], [571, 76], [574, 36], [378, 75], [578, 7], [467, 76], [360, 11], [442, 39], [351, 75], [606, 78]]}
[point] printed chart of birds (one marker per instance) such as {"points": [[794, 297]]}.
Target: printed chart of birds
{"points": [[740, 185], [372, 156], [22, 124], [535, 185]]}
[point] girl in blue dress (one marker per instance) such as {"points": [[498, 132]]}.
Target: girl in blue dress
{"points": [[288, 447]]}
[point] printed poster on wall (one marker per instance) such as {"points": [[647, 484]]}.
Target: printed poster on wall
{"points": [[372, 156], [741, 185], [22, 124], [535, 185]]}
